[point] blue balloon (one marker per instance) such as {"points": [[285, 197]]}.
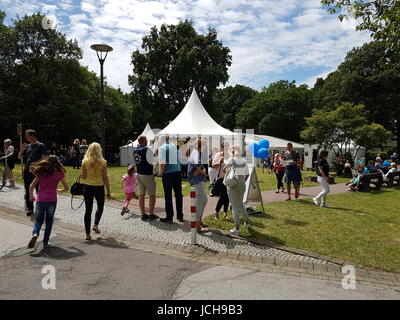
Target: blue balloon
{"points": [[263, 144], [386, 163], [262, 153], [253, 148]]}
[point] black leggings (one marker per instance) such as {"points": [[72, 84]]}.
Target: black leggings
{"points": [[90, 193], [279, 177], [223, 200]]}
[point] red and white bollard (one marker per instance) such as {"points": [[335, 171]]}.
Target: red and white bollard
{"points": [[193, 220]]}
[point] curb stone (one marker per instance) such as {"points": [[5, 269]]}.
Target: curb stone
{"points": [[372, 277]]}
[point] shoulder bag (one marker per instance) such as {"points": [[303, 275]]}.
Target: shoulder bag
{"points": [[77, 189]]}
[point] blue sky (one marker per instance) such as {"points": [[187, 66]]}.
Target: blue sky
{"points": [[269, 40]]}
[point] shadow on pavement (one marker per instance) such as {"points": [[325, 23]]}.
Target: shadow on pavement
{"points": [[108, 243], [59, 253]]}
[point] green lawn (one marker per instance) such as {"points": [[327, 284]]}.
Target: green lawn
{"points": [[267, 181], [359, 227], [115, 174]]}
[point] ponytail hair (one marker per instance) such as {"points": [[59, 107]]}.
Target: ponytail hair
{"points": [[47, 167], [322, 153]]}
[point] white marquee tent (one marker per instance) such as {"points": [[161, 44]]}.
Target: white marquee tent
{"points": [[194, 121], [126, 152], [274, 143]]}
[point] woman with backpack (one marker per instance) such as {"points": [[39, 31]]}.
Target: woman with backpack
{"points": [[236, 174]]}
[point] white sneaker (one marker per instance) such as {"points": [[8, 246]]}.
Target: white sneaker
{"points": [[316, 201], [324, 205], [234, 232]]}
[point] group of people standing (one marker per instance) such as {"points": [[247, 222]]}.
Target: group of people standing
{"points": [[171, 159], [43, 173], [224, 165]]}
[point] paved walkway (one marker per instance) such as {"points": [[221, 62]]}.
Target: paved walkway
{"points": [[324, 268], [176, 233], [82, 272], [268, 196]]}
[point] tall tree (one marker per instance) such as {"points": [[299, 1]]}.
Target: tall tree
{"points": [[174, 60], [278, 110], [229, 101], [43, 85], [361, 79]]}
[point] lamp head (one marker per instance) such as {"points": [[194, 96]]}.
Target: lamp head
{"points": [[102, 50], [101, 47]]}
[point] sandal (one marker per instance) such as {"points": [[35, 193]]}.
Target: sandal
{"points": [[88, 237], [216, 216], [96, 229], [202, 230]]}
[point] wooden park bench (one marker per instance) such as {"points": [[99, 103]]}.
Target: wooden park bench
{"points": [[314, 179], [370, 181], [393, 179]]}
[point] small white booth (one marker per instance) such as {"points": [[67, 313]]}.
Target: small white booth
{"points": [[126, 152]]}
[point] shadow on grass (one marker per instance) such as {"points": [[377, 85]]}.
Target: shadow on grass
{"points": [[351, 210], [306, 202], [255, 235], [295, 223]]}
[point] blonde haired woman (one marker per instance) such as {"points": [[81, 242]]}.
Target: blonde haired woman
{"points": [[95, 177], [236, 192]]}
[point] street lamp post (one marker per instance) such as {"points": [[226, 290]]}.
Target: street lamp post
{"points": [[102, 51]]}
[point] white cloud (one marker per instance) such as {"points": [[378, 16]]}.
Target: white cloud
{"points": [[266, 37]]}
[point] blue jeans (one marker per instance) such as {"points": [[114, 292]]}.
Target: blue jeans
{"points": [[44, 210]]}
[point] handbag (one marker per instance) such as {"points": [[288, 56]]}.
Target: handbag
{"points": [[77, 189], [216, 186], [231, 177]]}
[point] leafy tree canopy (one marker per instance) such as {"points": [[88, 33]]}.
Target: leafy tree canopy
{"points": [[343, 126], [278, 110], [176, 59]]}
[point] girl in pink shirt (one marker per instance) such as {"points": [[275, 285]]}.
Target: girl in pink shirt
{"points": [[129, 185], [48, 173]]}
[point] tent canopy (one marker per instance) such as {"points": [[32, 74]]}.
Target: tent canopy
{"points": [[194, 121], [126, 151], [273, 141], [148, 132]]}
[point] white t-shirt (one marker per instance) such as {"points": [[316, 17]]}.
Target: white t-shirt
{"points": [[9, 150], [216, 160]]}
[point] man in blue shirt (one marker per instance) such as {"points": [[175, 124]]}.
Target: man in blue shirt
{"points": [[170, 169]]}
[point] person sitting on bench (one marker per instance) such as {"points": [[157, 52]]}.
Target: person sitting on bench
{"points": [[356, 180], [393, 168]]}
